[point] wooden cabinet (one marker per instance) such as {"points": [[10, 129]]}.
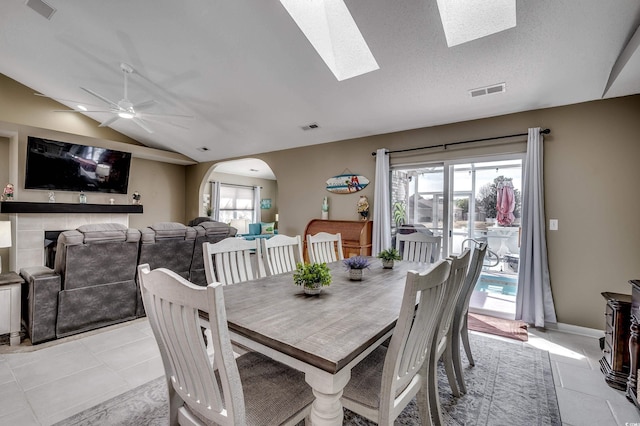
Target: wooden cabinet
{"points": [[634, 344], [356, 235], [615, 361]]}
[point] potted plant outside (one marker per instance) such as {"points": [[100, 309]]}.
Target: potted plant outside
{"points": [[355, 265], [312, 276], [388, 256]]}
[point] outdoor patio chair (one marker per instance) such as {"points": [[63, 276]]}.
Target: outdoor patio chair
{"points": [[215, 387]]}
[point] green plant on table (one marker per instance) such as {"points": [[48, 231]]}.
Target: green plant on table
{"points": [[389, 254], [308, 274]]}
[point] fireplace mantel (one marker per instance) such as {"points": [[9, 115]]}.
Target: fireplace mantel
{"points": [[28, 207]]}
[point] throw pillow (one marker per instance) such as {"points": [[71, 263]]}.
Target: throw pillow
{"points": [[267, 227]]}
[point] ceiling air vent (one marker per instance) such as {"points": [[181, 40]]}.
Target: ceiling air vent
{"points": [[42, 8], [311, 126], [496, 88]]}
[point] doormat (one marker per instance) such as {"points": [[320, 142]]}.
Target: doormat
{"points": [[513, 329]]}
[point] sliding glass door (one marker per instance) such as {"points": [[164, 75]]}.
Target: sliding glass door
{"points": [[475, 199]]}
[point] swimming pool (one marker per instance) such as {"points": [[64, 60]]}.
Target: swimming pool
{"points": [[497, 283]]}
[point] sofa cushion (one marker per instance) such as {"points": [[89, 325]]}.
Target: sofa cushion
{"points": [[164, 230], [103, 232], [255, 229], [267, 227]]}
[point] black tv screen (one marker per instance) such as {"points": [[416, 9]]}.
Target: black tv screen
{"points": [[64, 166]]}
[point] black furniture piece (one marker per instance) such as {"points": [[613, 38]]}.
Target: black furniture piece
{"points": [[614, 363], [634, 344]]}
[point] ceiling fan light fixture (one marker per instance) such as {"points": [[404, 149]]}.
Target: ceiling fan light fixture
{"points": [[467, 20], [126, 114]]}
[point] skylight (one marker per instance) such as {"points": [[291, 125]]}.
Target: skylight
{"points": [[331, 30], [466, 20]]}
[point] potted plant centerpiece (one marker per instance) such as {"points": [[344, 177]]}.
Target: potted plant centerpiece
{"points": [[388, 256], [355, 265], [312, 276]]}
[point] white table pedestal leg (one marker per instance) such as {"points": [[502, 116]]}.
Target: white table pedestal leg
{"points": [[327, 409]]}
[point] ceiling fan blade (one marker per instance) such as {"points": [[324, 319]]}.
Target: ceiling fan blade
{"points": [[108, 122], [80, 111], [151, 114], [63, 100], [157, 120], [142, 124], [102, 98], [144, 105]]}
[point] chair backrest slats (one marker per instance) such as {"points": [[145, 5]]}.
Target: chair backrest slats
{"points": [[281, 253], [324, 247], [414, 333], [419, 247], [459, 266], [173, 305], [232, 260], [473, 273]]}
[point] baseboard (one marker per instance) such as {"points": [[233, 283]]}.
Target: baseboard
{"points": [[575, 329]]}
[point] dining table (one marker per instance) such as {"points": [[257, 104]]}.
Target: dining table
{"points": [[323, 335]]}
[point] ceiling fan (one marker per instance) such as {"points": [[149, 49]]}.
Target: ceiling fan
{"points": [[124, 108]]}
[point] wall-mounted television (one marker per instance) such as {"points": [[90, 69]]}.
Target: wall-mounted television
{"points": [[63, 166]]}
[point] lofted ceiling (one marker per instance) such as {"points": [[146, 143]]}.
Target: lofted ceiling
{"points": [[252, 81]]}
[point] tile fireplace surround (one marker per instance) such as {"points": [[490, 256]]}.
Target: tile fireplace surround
{"points": [[28, 228]]}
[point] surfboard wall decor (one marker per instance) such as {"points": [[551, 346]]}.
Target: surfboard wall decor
{"points": [[346, 183]]}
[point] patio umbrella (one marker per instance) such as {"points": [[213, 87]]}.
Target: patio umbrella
{"points": [[506, 203]]}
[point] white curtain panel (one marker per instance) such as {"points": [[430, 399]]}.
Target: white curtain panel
{"points": [[215, 200], [381, 238], [534, 301], [257, 213]]}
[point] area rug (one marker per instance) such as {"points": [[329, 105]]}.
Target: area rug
{"points": [[497, 326], [511, 384]]}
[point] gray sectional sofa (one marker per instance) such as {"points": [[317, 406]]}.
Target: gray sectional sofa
{"points": [[93, 283]]}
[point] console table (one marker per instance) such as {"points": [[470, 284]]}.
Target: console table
{"points": [[10, 305], [615, 361]]}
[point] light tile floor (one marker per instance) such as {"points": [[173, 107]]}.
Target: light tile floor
{"points": [[59, 379]]}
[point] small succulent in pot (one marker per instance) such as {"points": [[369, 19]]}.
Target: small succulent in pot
{"points": [[312, 276], [388, 256], [356, 265], [356, 262]]}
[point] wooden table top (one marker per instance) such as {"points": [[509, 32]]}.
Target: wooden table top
{"points": [[326, 330]]}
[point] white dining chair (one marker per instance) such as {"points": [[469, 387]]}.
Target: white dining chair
{"points": [[419, 247], [215, 387], [384, 382], [460, 332], [324, 247], [442, 348], [281, 253], [232, 260]]}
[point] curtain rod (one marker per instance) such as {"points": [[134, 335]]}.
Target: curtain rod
{"points": [[445, 145], [236, 185]]}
